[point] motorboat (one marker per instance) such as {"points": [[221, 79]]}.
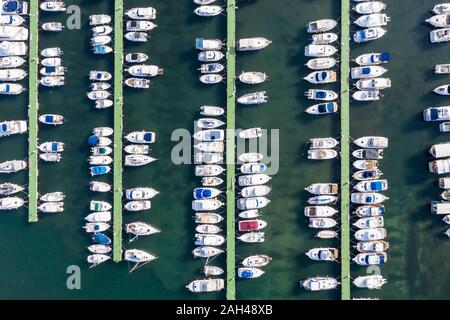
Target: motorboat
{"points": [[102, 30], [372, 20], [207, 228], [250, 157], [95, 140], [136, 57], [54, 119], [323, 188], [11, 62], [440, 150], [249, 273], [319, 211], [11, 20], [323, 254], [367, 72], [14, 7], [370, 258], [8, 128], [7, 189], [210, 56], [324, 38], [253, 167], [12, 33], [100, 238], [211, 111], [53, 6], [447, 233], [253, 179], [52, 71], [52, 146], [207, 217], [444, 183], [53, 196], [321, 95], [319, 50], [253, 98], [135, 160], [322, 25], [368, 154], [206, 285], [322, 199], [446, 219], [103, 131], [53, 26], [99, 248], [250, 133], [251, 44], [373, 84], [440, 207], [259, 260], [255, 191], [11, 88], [204, 2], [208, 170], [141, 137], [372, 186], [51, 52], [92, 227], [439, 166], [100, 216], [321, 63], [142, 13], [141, 229], [50, 156], [99, 160], [101, 49], [319, 283], [251, 225], [211, 68], [326, 234], [212, 271], [209, 123], [138, 256], [139, 25], [322, 223], [208, 44], [369, 34], [12, 166], [252, 77], [141, 193], [440, 20], [436, 113], [369, 223], [206, 205], [208, 11], [210, 135], [372, 142], [372, 246], [440, 35], [205, 193], [252, 237], [370, 282], [369, 59], [12, 74], [442, 69], [321, 77], [202, 239], [98, 186], [252, 203], [137, 149], [206, 252], [100, 75], [11, 203], [445, 195], [210, 147], [99, 19], [369, 7], [366, 95], [138, 205], [52, 81], [12, 48], [103, 103], [370, 234], [322, 143], [51, 62], [143, 70], [96, 259], [368, 198], [100, 40], [322, 154], [249, 214], [137, 83], [441, 8], [96, 205], [323, 108], [51, 207], [442, 90]]}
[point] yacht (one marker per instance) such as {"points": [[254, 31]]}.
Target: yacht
{"points": [[370, 234], [319, 50], [12, 74], [8, 128], [144, 13], [206, 205], [322, 108], [442, 90], [101, 216], [440, 20], [100, 40], [322, 154], [208, 44], [53, 26], [322, 143], [93, 227], [208, 228], [440, 150], [321, 77], [138, 256], [99, 19], [211, 111], [141, 229], [14, 7], [202, 239], [100, 238], [253, 179], [100, 75], [11, 20], [369, 7], [249, 273], [372, 142], [145, 70], [51, 62], [136, 57], [321, 63], [322, 199], [253, 167], [206, 285], [210, 147], [96, 259], [135, 160], [95, 205], [251, 44], [252, 237], [209, 123], [369, 34], [441, 8], [101, 49], [440, 35], [136, 149], [368, 198], [208, 11], [12, 166], [51, 207], [207, 217], [100, 160], [50, 156], [210, 56], [259, 260], [366, 95], [368, 154], [439, 166], [209, 170], [436, 113], [11, 62], [253, 98], [103, 30], [370, 282], [322, 25], [98, 186], [372, 20], [442, 69], [369, 59], [206, 252], [52, 81], [53, 196], [52, 71], [7, 189], [211, 78], [11, 88], [12, 33], [141, 193], [324, 38], [326, 234], [373, 84], [250, 157], [99, 248], [51, 146], [251, 225], [372, 246], [211, 68], [99, 141], [138, 205], [51, 52], [323, 188], [252, 77], [140, 25], [141, 137], [367, 72], [11, 203], [205, 193], [319, 283], [212, 270], [14, 48], [250, 133], [53, 6], [370, 258], [321, 223], [319, 211], [323, 254], [249, 214], [372, 186], [369, 223], [252, 203]]}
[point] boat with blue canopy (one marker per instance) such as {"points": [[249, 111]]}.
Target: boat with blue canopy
{"points": [[208, 44], [54, 119], [99, 170], [205, 193], [373, 58], [101, 238], [374, 185], [321, 95], [101, 49], [323, 108], [249, 273]]}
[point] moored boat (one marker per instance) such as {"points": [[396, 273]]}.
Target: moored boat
{"points": [[137, 205], [319, 211], [206, 285], [251, 44], [322, 25], [323, 188], [319, 283], [369, 282]]}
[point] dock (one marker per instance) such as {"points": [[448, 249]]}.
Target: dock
{"points": [[231, 149], [118, 130], [345, 149], [33, 107]]}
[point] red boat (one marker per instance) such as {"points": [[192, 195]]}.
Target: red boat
{"points": [[251, 225]]}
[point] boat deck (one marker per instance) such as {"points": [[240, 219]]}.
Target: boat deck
{"points": [[231, 149], [33, 107], [118, 130], [345, 150]]}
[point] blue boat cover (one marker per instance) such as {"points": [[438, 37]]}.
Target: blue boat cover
{"points": [[97, 170], [365, 70], [246, 274], [321, 94], [385, 57], [93, 140], [369, 199], [199, 43], [54, 147], [434, 114], [148, 137], [367, 174], [376, 186], [11, 6], [381, 208], [99, 49], [48, 119], [4, 127], [201, 193], [101, 238], [50, 69], [382, 260], [322, 108], [330, 107], [8, 88]]}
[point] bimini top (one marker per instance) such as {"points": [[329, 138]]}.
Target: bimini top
{"points": [[376, 186], [93, 140], [326, 107], [148, 136]]}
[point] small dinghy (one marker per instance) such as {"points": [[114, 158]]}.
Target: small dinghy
{"points": [[321, 77], [94, 227], [99, 160], [442, 90], [252, 44], [138, 256], [322, 199], [368, 198], [100, 76], [136, 160], [96, 259], [142, 193], [253, 179], [51, 147], [206, 285], [372, 20], [252, 77], [202, 239], [255, 191], [369, 34], [144, 13], [252, 203], [323, 188], [211, 111], [207, 217], [252, 237], [372, 84], [141, 137], [51, 52], [373, 185], [365, 164], [11, 62], [370, 282], [206, 205], [319, 283], [322, 143], [210, 147], [141, 229], [370, 258], [209, 135], [136, 57], [322, 154], [212, 271], [368, 154], [139, 25], [12, 166], [323, 108], [369, 59], [370, 234], [319, 50], [321, 95], [51, 62], [253, 98], [321, 223], [253, 167], [7, 189], [53, 6], [250, 133], [369, 211], [251, 225], [103, 216], [205, 193], [137, 149], [51, 207], [369, 223], [249, 214], [53, 119], [323, 254], [11, 203], [442, 69], [139, 205], [99, 248], [319, 211], [211, 68], [367, 72], [53, 197], [208, 229], [206, 252], [11, 88], [366, 95], [98, 186], [249, 273], [95, 205], [208, 44], [101, 30], [52, 81], [321, 63], [137, 83], [209, 123], [210, 56], [372, 246], [100, 238], [372, 142], [210, 170], [211, 181], [369, 7], [322, 25], [326, 234], [99, 19], [324, 38], [53, 26], [50, 156]]}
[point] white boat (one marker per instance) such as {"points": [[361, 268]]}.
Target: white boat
{"points": [[211, 68], [210, 56], [323, 188], [139, 25], [370, 258], [255, 191], [12, 48], [209, 123], [99, 248], [93, 227], [249, 273], [98, 186], [440, 20], [249, 214], [322, 143], [11, 88], [53, 6], [373, 84], [12, 166], [372, 246], [250, 133], [441, 8], [11, 203], [136, 36], [208, 170], [204, 2], [8, 128], [446, 219], [440, 150], [372, 142], [324, 38], [51, 52], [367, 72], [212, 271], [323, 254], [253, 98], [141, 229], [11, 20], [136, 57], [362, 175], [137, 83], [368, 154], [251, 44], [444, 183], [250, 157], [322, 223], [369, 223], [142, 13], [442, 69], [319, 211], [369, 34], [370, 282], [207, 228], [103, 103], [252, 237], [206, 252], [442, 90], [319, 283], [100, 160], [319, 50], [207, 217], [99, 19], [206, 205], [211, 111], [138, 205], [439, 166], [208, 44], [12, 74], [54, 119], [322, 25], [210, 135], [7, 189], [13, 33], [366, 95], [208, 11], [95, 205], [100, 40], [369, 59], [321, 95], [96, 259], [141, 137], [53, 197], [101, 151], [52, 71], [137, 149], [135, 160], [53, 26], [326, 234], [143, 70], [51, 146], [50, 156], [259, 260], [103, 30], [372, 185], [322, 199], [138, 256], [11, 62], [253, 167], [368, 198], [206, 285], [51, 62], [440, 35], [372, 20], [218, 147], [141, 193], [252, 77], [322, 108], [321, 77], [202, 239], [369, 7], [100, 75], [253, 179], [322, 154], [51, 207], [252, 203], [436, 113], [101, 216], [321, 63], [370, 234]]}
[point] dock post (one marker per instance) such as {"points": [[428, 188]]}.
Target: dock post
{"points": [[345, 150], [33, 107], [118, 130], [231, 149]]}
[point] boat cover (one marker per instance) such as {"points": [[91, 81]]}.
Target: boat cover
{"points": [[199, 43], [93, 140], [101, 238], [321, 94], [246, 274], [248, 225], [376, 186], [385, 57], [365, 70], [148, 137], [49, 119], [202, 193]]}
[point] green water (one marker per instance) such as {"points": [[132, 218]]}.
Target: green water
{"points": [[35, 256]]}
